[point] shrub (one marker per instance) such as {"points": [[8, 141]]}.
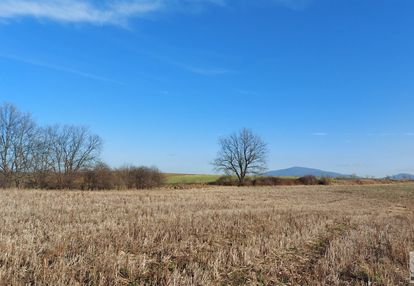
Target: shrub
{"points": [[3, 182], [257, 181], [55, 180], [273, 181], [233, 181], [226, 181], [100, 178], [266, 181], [147, 177], [308, 180], [43, 180], [139, 177], [325, 181]]}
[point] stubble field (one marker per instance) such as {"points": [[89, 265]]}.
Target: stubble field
{"points": [[316, 235]]}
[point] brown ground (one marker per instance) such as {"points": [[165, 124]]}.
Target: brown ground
{"points": [[316, 235]]}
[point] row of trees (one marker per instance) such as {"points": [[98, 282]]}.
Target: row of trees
{"points": [[102, 177], [68, 157], [28, 151], [59, 157]]}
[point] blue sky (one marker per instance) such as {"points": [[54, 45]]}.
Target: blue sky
{"points": [[326, 83]]}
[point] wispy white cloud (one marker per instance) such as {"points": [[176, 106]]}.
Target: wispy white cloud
{"points": [[109, 12], [60, 68], [202, 70], [191, 67], [78, 11], [320, 134]]}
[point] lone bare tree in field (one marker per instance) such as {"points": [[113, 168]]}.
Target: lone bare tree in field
{"points": [[241, 154]]}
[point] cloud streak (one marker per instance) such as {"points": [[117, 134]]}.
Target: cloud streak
{"points": [[192, 68], [108, 12], [77, 11], [202, 70], [60, 69]]}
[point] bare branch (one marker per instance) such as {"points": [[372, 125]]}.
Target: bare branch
{"points": [[241, 154]]}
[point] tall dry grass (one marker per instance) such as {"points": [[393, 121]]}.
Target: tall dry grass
{"points": [[315, 235]]}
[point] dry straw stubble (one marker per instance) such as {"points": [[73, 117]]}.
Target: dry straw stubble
{"points": [[308, 235]]}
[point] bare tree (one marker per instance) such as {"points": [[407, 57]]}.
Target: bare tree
{"points": [[72, 148], [29, 154], [43, 160], [17, 133], [241, 154]]}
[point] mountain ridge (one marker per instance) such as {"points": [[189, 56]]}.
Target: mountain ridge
{"points": [[401, 176], [304, 171]]}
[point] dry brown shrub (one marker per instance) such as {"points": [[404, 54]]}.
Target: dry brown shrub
{"points": [[308, 180], [226, 181], [325, 181], [139, 178], [274, 181], [99, 178]]}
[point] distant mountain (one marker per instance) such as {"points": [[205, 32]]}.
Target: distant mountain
{"points": [[401, 177], [301, 171]]}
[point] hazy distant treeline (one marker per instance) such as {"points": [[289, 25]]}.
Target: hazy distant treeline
{"points": [[33, 156]]}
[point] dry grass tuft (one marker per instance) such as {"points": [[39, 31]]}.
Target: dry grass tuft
{"points": [[313, 235]]}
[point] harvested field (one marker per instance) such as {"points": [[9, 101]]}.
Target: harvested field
{"points": [[190, 179], [299, 235]]}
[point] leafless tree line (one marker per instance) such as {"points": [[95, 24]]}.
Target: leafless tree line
{"points": [[57, 157], [102, 177], [30, 154], [69, 157]]}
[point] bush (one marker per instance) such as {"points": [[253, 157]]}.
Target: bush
{"points": [[308, 180], [3, 182], [43, 180], [273, 181], [139, 178], [233, 181], [325, 181], [100, 178], [227, 181], [258, 181]]}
